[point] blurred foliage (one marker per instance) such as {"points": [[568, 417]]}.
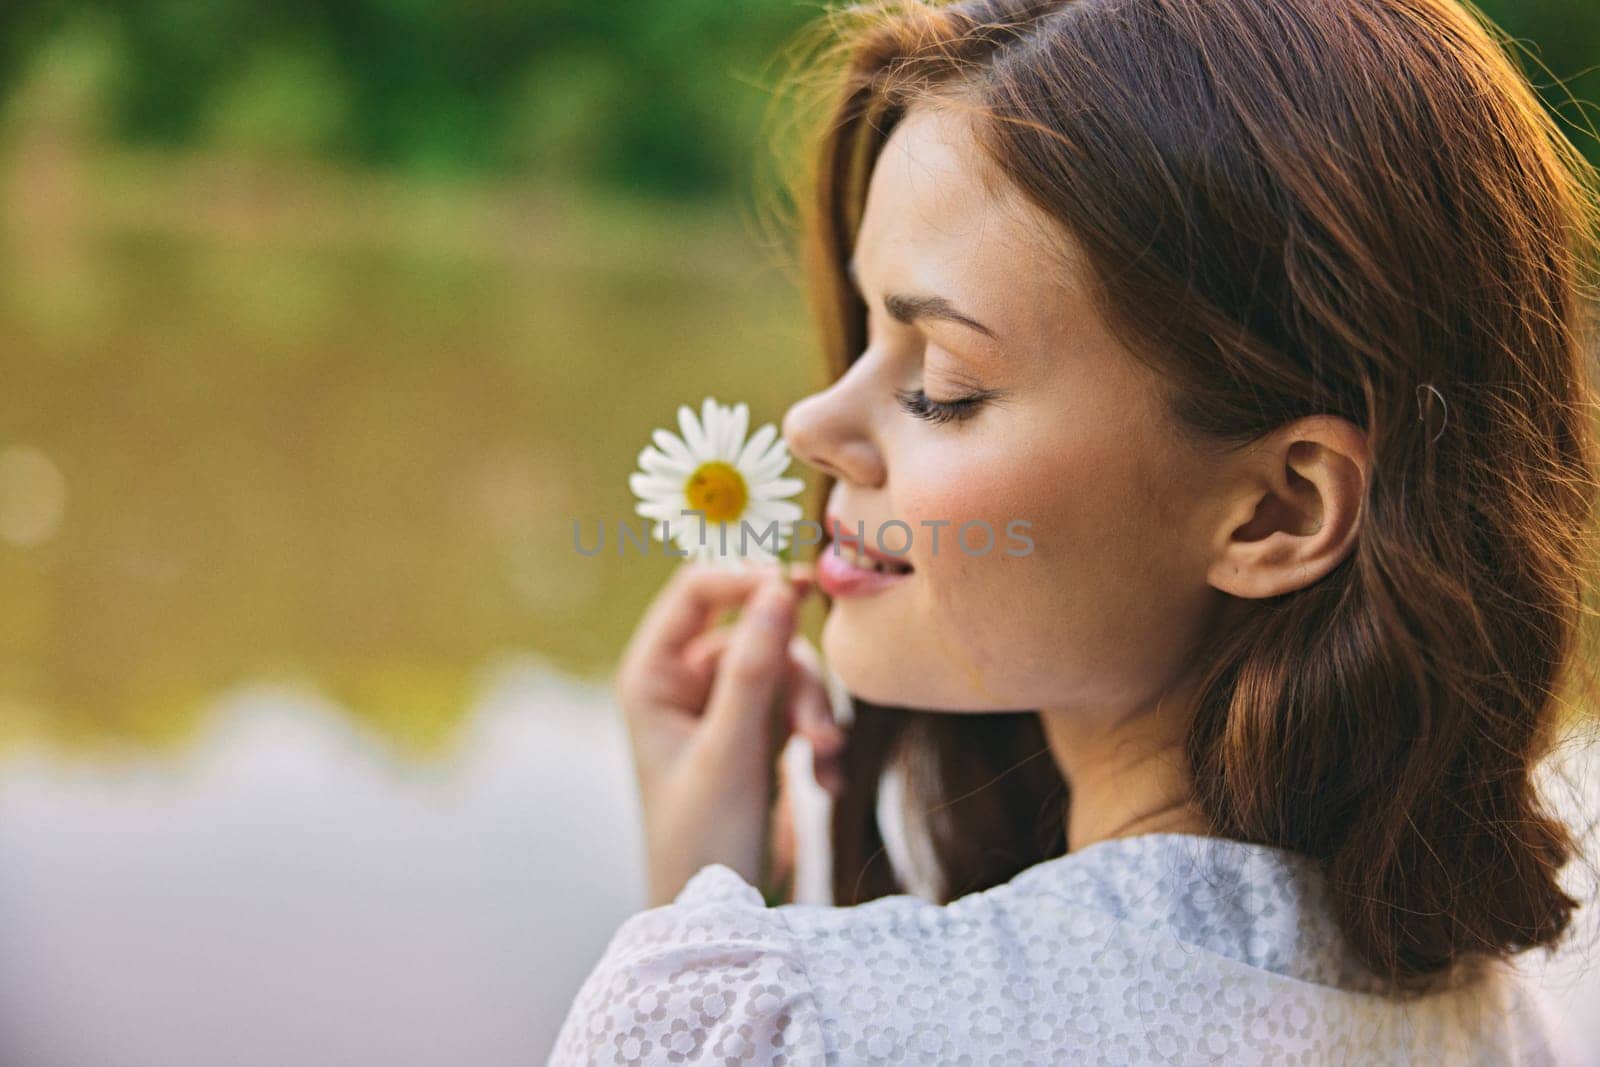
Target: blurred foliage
{"points": [[660, 96], [1558, 46]]}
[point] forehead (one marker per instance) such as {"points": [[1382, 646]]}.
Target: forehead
{"points": [[939, 219]]}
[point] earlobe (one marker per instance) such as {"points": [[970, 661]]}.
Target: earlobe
{"points": [[1294, 512]]}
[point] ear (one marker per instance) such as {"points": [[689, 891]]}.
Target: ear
{"points": [[1293, 511]]}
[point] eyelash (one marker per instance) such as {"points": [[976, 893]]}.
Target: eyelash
{"points": [[915, 402]]}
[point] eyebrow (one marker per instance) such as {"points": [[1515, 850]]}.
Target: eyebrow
{"points": [[908, 308]]}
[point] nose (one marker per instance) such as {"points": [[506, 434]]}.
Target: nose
{"points": [[829, 430]]}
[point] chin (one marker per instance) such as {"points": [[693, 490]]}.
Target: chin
{"points": [[869, 670], [860, 664], [868, 666]]}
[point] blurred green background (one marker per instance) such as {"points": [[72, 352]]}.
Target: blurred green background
{"points": [[321, 322]]}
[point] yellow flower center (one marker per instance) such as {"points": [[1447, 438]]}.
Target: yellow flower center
{"points": [[718, 490]]}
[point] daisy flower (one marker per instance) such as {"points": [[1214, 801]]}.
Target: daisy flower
{"points": [[733, 482]]}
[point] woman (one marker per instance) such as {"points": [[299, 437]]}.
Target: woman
{"points": [[1266, 318]]}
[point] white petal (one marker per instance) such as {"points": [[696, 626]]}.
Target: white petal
{"points": [[673, 530], [657, 510], [674, 448], [720, 535], [654, 462], [762, 533], [654, 487], [783, 510], [757, 521], [755, 511], [756, 446], [711, 421], [737, 423], [714, 421], [773, 464], [689, 526], [660, 510], [730, 432], [777, 487], [693, 435], [779, 447]]}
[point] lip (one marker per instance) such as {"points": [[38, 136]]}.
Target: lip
{"points": [[832, 527], [839, 577]]}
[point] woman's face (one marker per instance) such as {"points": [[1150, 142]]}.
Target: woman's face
{"points": [[1075, 442]]}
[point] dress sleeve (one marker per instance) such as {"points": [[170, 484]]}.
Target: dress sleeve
{"points": [[714, 977]]}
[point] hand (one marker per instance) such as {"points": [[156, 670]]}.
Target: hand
{"points": [[826, 770], [809, 715], [704, 709]]}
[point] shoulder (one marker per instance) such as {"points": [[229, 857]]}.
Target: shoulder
{"points": [[719, 973], [1072, 959], [715, 972], [1056, 961]]}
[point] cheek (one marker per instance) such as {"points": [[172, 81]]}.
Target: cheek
{"points": [[1081, 613], [959, 520], [992, 602], [1013, 509]]}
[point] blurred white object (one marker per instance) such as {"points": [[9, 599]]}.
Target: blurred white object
{"points": [[289, 892]]}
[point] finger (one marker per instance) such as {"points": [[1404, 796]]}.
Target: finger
{"points": [[702, 652], [752, 669], [827, 766], [810, 707], [691, 598], [688, 601], [812, 711], [782, 844], [829, 774]]}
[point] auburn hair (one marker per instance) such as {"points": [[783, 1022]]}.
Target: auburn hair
{"points": [[1290, 207]]}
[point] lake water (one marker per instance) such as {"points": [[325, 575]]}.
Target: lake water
{"points": [[338, 431], [289, 891]]}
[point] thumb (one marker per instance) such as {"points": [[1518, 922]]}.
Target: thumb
{"points": [[752, 671]]}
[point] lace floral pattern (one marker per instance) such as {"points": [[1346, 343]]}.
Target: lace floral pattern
{"points": [[1162, 948]]}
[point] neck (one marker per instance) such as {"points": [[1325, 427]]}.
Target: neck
{"points": [[1127, 774]]}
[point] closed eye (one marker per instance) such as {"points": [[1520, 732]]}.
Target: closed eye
{"points": [[916, 402]]}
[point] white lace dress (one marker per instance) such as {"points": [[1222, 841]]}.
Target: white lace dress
{"points": [[1159, 948]]}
